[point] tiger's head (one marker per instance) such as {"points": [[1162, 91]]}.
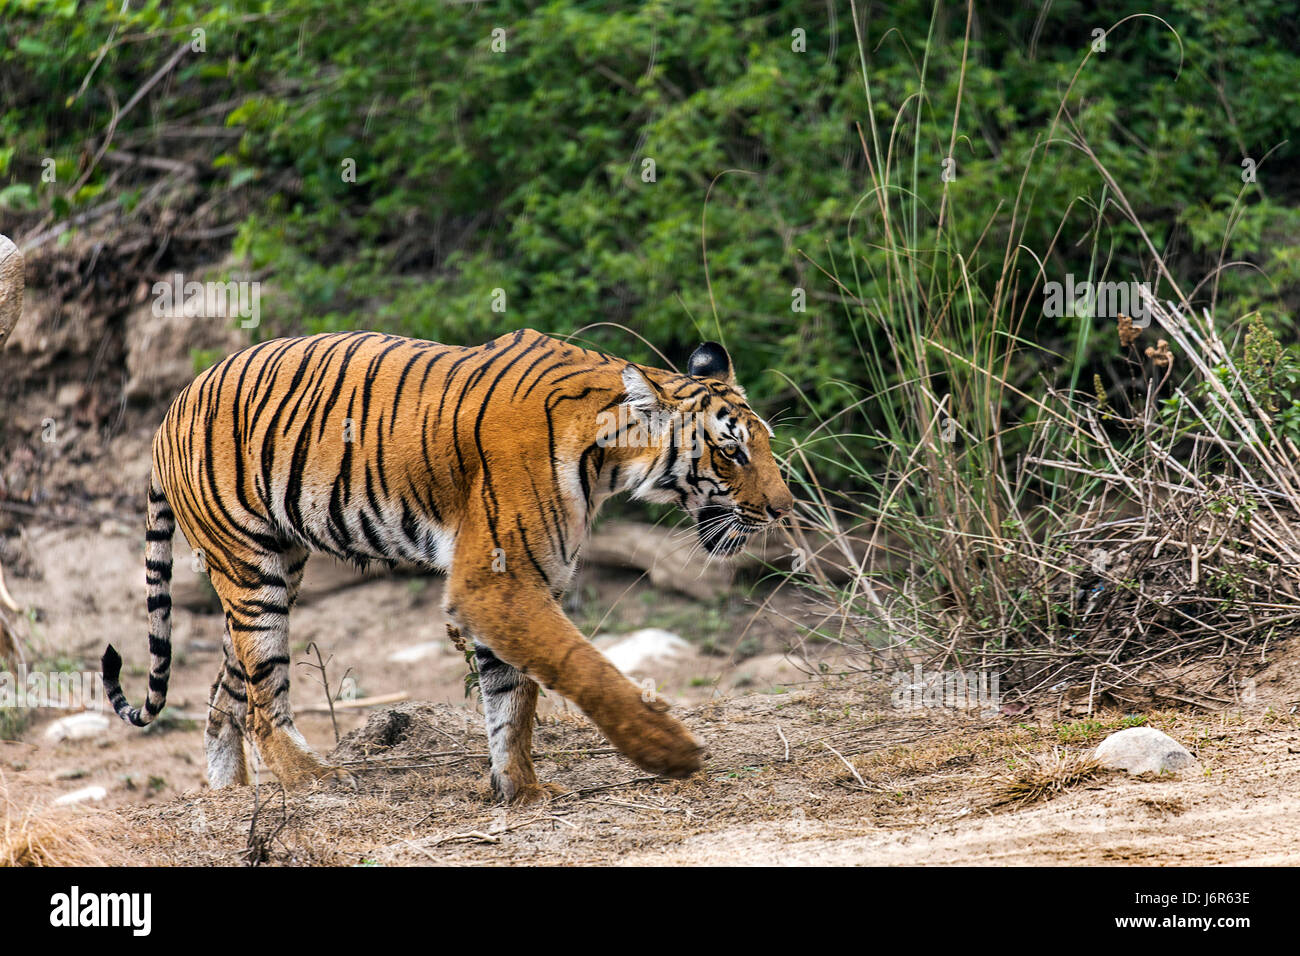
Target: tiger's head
{"points": [[707, 450]]}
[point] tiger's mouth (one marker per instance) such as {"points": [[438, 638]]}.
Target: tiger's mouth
{"points": [[720, 532]]}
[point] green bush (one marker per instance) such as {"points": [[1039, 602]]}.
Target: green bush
{"points": [[522, 170]]}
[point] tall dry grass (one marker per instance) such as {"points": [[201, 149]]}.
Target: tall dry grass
{"points": [[1017, 517]]}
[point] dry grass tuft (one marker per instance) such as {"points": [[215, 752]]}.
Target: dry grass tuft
{"points": [[1044, 777], [1144, 548], [44, 836]]}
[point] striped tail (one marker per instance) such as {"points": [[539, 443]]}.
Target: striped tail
{"points": [[158, 576]]}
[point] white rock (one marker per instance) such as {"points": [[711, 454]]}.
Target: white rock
{"points": [[1143, 750], [83, 795], [646, 648], [416, 652], [77, 727]]}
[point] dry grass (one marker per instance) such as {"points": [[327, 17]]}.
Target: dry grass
{"points": [[1146, 540], [1006, 515], [1041, 778], [47, 836]]}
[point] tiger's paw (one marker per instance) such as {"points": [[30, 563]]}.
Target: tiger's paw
{"points": [[522, 789], [338, 777], [321, 775], [536, 793], [661, 744]]}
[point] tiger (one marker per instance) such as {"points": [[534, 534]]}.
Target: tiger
{"points": [[488, 463]]}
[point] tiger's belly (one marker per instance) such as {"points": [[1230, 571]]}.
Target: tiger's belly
{"points": [[329, 510]]}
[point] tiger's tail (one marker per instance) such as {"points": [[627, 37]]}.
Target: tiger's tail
{"points": [[159, 529]]}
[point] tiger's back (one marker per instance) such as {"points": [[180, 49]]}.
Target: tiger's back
{"points": [[363, 445]]}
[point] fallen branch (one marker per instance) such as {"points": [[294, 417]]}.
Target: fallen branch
{"points": [[358, 704]]}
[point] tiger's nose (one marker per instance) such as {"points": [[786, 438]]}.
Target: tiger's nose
{"points": [[780, 509]]}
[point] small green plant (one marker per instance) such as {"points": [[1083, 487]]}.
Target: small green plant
{"points": [[467, 650], [1080, 731], [170, 720], [1265, 386], [1090, 729], [1261, 358], [14, 721], [62, 664]]}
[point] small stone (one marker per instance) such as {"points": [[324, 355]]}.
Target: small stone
{"points": [[85, 794], [647, 649], [77, 727], [417, 652], [1143, 750]]}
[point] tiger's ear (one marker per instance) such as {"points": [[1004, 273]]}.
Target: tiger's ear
{"points": [[711, 360], [651, 405]]}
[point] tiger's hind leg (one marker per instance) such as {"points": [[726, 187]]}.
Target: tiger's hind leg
{"points": [[228, 701], [509, 707], [223, 740], [256, 596]]}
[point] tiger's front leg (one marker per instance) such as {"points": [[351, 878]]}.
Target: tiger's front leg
{"points": [[527, 634], [509, 708]]}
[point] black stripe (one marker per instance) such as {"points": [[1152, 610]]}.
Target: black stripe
{"points": [[523, 537], [243, 628], [266, 668], [161, 568], [370, 533], [543, 373], [254, 606]]}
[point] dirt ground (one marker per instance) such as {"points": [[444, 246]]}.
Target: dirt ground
{"points": [[800, 770]]}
